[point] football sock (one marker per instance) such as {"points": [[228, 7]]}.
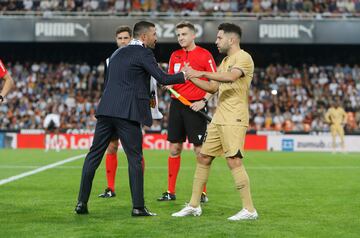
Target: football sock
{"points": [[173, 170], [111, 166], [334, 143], [242, 184], [200, 179], [342, 142]]}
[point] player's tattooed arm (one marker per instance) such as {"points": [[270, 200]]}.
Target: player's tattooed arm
{"points": [[233, 75]]}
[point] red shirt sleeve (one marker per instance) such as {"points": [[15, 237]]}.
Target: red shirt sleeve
{"points": [[3, 70], [209, 63]]}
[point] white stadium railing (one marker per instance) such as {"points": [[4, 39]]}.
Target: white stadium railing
{"points": [[193, 14]]}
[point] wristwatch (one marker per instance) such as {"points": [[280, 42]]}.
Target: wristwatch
{"points": [[1, 98], [204, 100]]}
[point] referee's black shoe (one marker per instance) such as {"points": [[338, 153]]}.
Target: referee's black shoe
{"points": [[204, 198], [167, 197], [81, 208], [108, 193]]}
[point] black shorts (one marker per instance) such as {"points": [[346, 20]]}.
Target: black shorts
{"points": [[184, 122]]}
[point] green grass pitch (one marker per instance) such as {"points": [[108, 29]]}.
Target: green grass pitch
{"points": [[296, 195]]}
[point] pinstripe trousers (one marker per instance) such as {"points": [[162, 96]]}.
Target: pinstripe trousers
{"points": [[130, 136]]}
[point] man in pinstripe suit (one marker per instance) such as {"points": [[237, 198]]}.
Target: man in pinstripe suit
{"points": [[124, 106], [123, 36]]}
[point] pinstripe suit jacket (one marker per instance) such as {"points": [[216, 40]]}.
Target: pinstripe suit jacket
{"points": [[127, 85]]}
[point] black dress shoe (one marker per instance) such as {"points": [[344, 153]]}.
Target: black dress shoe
{"points": [[142, 212], [81, 208]]}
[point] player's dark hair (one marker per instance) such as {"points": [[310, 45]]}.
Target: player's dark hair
{"points": [[142, 27], [230, 28], [123, 29], [186, 24]]}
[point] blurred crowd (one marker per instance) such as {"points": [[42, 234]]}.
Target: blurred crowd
{"points": [[190, 6], [290, 98], [282, 97]]}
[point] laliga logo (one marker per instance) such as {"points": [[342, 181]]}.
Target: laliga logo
{"points": [[61, 141], [285, 31], [69, 141], [60, 29]]}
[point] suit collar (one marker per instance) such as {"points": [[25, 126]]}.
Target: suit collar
{"points": [[136, 42]]}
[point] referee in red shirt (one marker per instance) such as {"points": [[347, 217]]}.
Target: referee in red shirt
{"points": [[9, 82], [185, 122]]}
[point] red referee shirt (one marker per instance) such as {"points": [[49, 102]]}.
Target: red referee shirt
{"points": [[3, 70], [199, 59]]}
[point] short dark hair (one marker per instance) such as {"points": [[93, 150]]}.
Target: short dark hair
{"points": [[142, 27], [123, 29], [186, 24], [230, 28]]}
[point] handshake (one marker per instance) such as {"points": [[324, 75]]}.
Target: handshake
{"points": [[190, 73]]}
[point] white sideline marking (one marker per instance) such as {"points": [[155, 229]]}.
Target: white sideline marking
{"points": [[38, 170]]}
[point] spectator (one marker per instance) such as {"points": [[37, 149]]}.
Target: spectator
{"points": [[295, 8], [297, 119], [259, 120], [28, 5], [266, 5], [268, 120]]}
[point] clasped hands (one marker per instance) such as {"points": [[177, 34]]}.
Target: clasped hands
{"points": [[190, 73]]}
